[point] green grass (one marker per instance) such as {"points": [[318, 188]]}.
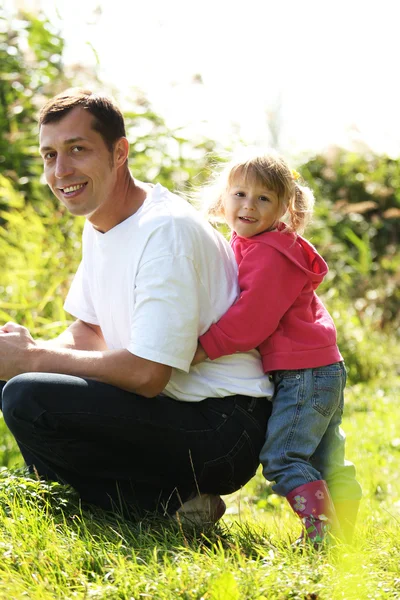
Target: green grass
{"points": [[51, 548]]}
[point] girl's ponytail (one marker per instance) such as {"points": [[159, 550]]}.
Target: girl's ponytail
{"points": [[300, 208]]}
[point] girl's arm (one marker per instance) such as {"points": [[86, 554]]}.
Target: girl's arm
{"points": [[269, 284], [199, 355]]}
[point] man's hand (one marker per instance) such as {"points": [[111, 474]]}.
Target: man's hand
{"points": [[199, 356], [16, 344]]}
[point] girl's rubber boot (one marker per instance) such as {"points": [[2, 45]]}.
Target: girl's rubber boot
{"points": [[346, 511], [312, 502]]}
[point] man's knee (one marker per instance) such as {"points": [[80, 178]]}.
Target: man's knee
{"points": [[2, 384], [18, 399]]}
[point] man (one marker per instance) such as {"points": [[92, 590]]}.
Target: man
{"points": [[112, 406]]}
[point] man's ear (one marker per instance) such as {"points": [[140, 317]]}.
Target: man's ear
{"points": [[121, 151]]}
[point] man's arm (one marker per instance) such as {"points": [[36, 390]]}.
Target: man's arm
{"points": [[78, 336], [19, 353]]}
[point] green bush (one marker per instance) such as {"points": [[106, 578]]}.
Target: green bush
{"points": [[356, 228], [369, 353]]}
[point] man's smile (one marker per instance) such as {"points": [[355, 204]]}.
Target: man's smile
{"points": [[71, 189]]}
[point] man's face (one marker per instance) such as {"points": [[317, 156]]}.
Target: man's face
{"points": [[77, 163]]}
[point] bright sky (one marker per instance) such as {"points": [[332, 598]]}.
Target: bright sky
{"points": [[330, 69]]}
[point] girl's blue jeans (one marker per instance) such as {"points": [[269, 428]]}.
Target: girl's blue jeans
{"points": [[304, 441]]}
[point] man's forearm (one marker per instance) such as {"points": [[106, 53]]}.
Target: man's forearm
{"points": [[20, 353], [115, 367]]}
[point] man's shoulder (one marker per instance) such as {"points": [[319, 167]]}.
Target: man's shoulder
{"points": [[162, 196], [169, 212], [165, 206], [171, 227]]}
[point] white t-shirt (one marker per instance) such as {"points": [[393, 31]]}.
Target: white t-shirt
{"points": [[157, 281]]}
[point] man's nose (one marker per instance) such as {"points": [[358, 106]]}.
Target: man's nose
{"points": [[63, 166]]}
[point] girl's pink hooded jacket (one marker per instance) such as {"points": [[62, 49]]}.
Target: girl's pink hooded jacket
{"points": [[277, 311]]}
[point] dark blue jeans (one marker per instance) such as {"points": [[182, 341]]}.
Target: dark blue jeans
{"points": [[124, 452]]}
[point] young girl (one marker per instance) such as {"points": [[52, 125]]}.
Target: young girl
{"points": [[279, 312]]}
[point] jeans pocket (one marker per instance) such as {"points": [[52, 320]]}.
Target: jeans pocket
{"points": [[215, 412], [226, 474], [279, 376], [328, 389]]}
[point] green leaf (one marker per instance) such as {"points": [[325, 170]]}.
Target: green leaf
{"points": [[224, 587]]}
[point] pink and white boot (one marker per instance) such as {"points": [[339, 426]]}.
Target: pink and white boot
{"points": [[313, 503]]}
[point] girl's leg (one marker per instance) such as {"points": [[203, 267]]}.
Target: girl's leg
{"points": [[340, 474], [303, 406], [120, 450], [329, 460]]}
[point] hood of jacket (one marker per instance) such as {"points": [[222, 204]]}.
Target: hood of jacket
{"points": [[296, 248]]}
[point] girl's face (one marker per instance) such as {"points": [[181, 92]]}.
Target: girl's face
{"points": [[250, 208]]}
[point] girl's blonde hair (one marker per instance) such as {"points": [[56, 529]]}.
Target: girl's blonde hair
{"points": [[270, 170]]}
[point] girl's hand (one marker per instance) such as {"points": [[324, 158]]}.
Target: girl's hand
{"points": [[199, 355]]}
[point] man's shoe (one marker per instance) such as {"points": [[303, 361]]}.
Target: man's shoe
{"points": [[202, 510]]}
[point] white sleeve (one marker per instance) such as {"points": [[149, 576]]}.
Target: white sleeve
{"points": [[165, 322], [78, 302]]}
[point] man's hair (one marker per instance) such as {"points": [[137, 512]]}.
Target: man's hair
{"points": [[107, 117]]}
